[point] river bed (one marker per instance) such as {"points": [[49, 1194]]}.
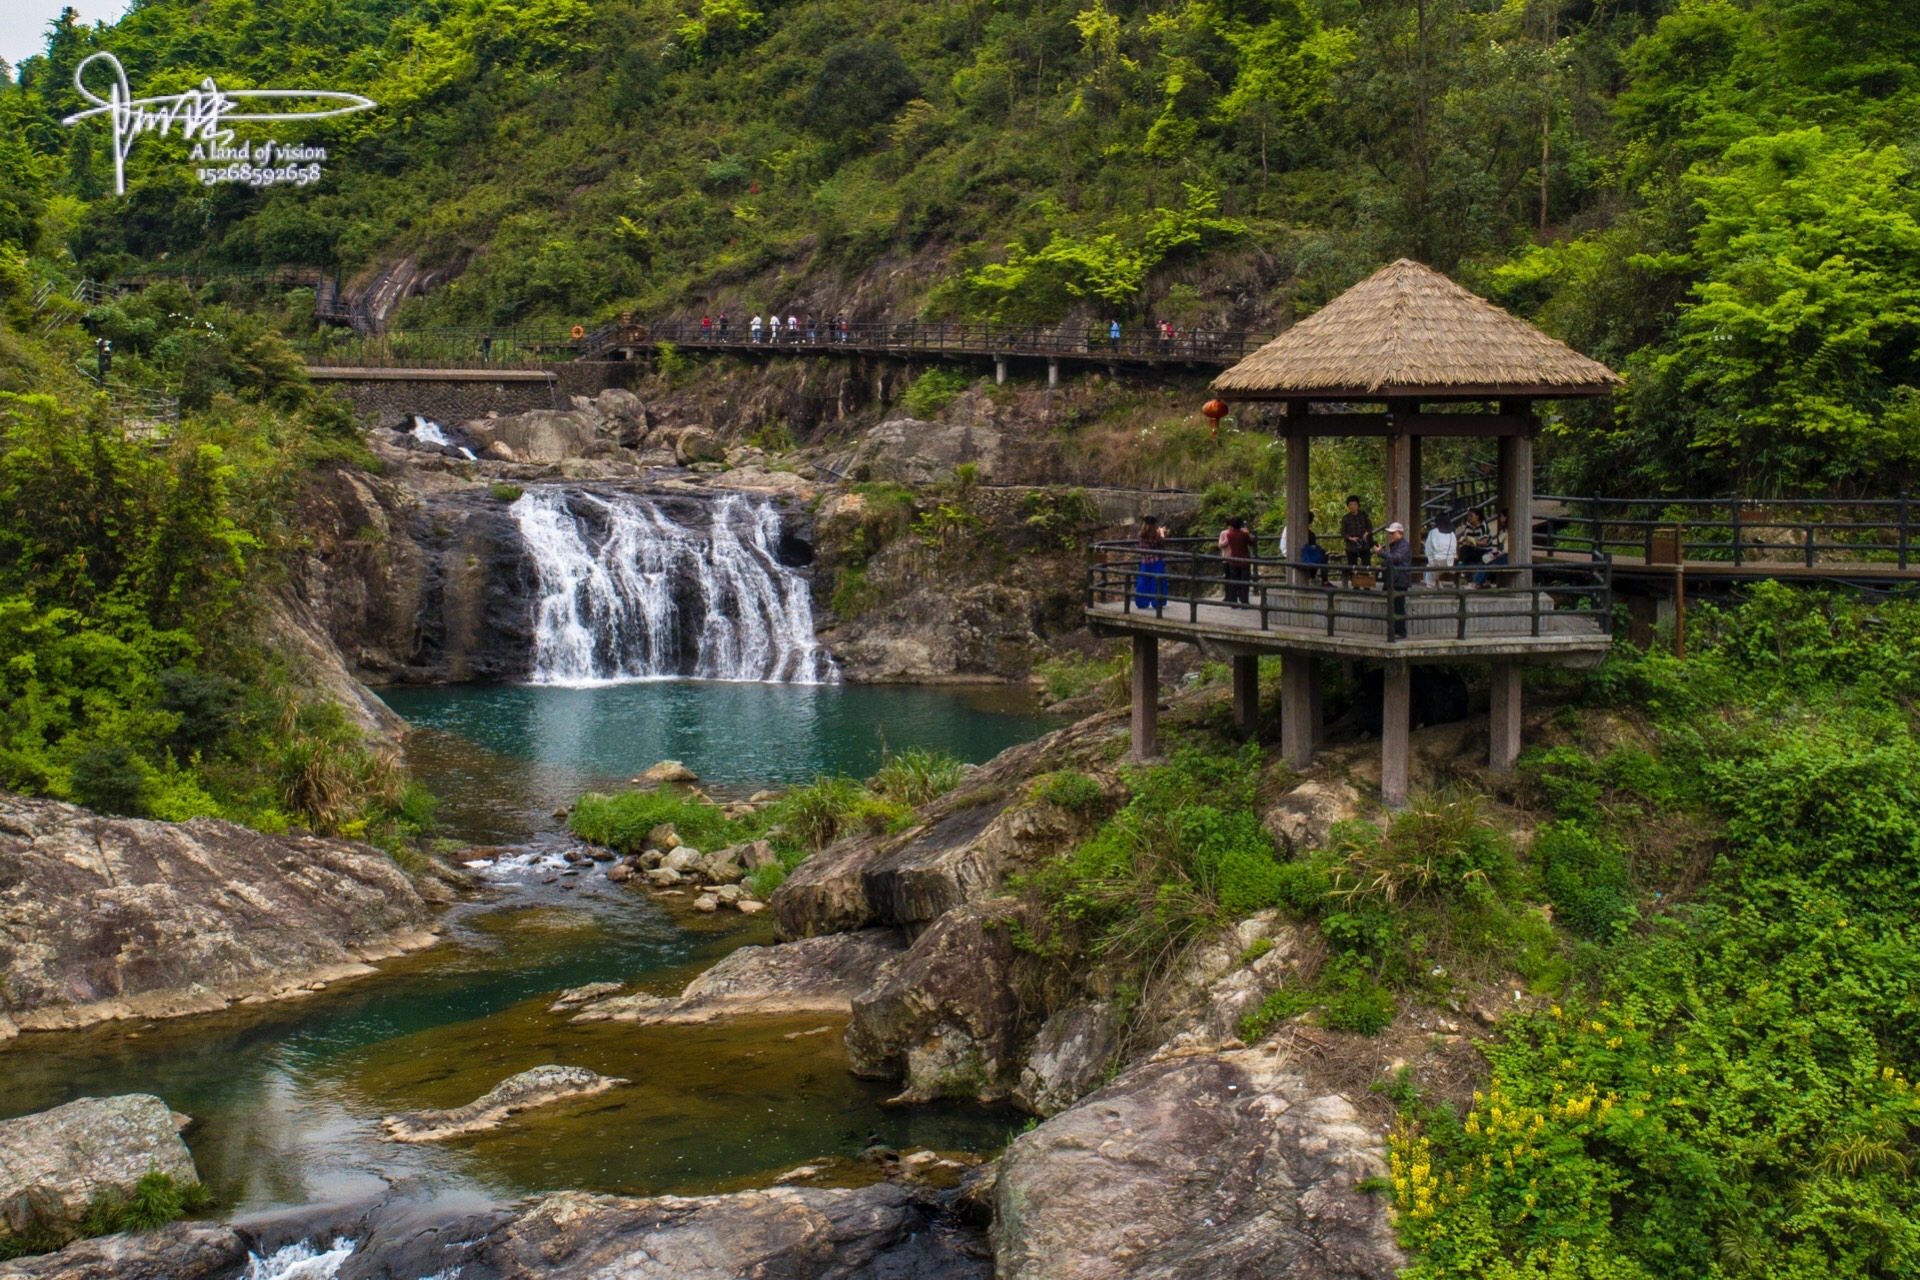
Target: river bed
{"points": [[286, 1097]]}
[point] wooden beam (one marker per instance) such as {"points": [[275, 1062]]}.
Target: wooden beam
{"points": [[1298, 498], [1396, 718], [1488, 425], [1146, 697]]}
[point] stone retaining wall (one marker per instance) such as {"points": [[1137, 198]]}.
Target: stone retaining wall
{"points": [[389, 397]]}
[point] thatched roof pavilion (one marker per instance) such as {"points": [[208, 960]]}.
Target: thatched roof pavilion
{"points": [[1407, 331], [1423, 357]]}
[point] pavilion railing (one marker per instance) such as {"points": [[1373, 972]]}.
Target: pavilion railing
{"points": [[1196, 584], [940, 337]]}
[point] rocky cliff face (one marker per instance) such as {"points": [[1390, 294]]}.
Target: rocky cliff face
{"points": [[105, 918]]}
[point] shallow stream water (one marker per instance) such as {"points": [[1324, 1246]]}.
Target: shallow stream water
{"points": [[286, 1097]]}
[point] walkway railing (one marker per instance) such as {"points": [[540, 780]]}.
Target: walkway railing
{"points": [[508, 348], [1196, 584], [921, 337], [1746, 533]]}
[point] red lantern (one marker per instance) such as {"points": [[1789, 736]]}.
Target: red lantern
{"points": [[1214, 410]]}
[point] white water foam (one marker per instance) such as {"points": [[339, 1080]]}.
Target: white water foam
{"points": [[621, 584], [299, 1261], [427, 431]]}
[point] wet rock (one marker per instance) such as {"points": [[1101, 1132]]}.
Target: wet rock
{"points": [[538, 1087], [119, 917], [719, 867], [816, 975], [53, 1164], [943, 1018], [662, 877], [686, 860], [648, 860], [500, 451], [763, 797], [1067, 1059], [749, 906], [575, 997], [729, 893], [620, 873], [665, 835], [706, 902], [1301, 820], [177, 1251], [697, 444], [669, 771], [755, 854], [796, 1233], [1193, 1169], [599, 853]]}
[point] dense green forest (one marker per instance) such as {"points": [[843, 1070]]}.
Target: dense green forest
{"points": [[1715, 196]]}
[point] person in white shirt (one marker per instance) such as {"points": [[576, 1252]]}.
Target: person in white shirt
{"points": [[1443, 548], [754, 325]]}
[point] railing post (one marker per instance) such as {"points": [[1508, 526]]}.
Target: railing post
{"points": [[1736, 531], [1593, 519], [1903, 529]]}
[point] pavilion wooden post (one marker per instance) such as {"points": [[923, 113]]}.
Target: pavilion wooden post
{"points": [[1299, 674], [1146, 697], [1396, 715], [1514, 486], [1246, 694], [1402, 463]]}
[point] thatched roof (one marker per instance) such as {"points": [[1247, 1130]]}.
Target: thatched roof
{"points": [[1407, 330]]}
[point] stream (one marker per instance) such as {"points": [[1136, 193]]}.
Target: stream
{"points": [[286, 1097]]}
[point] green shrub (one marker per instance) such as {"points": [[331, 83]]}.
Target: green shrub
{"points": [[1071, 790], [1439, 847], [1585, 877], [816, 815], [917, 775], [933, 390], [504, 492], [107, 778], [1070, 677], [621, 822]]}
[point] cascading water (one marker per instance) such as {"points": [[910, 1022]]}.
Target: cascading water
{"points": [[628, 593]]}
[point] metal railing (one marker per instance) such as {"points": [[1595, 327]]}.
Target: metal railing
{"points": [[1746, 533], [937, 338], [508, 348], [1491, 602]]}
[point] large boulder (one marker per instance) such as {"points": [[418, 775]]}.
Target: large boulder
{"points": [[910, 451], [117, 917], [789, 1233], [1303, 819], [542, 435], [54, 1164], [1197, 1168], [943, 1018], [177, 1251], [1220, 980], [1067, 1058], [815, 975]]}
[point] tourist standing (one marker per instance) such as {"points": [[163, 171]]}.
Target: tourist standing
{"points": [[706, 328], [723, 326], [813, 329], [1236, 552], [486, 346], [1113, 334], [753, 326], [793, 327], [1397, 556], [1151, 590], [1442, 549], [1356, 533]]}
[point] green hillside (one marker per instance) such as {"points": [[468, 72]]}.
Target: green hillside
{"points": [[1715, 197]]}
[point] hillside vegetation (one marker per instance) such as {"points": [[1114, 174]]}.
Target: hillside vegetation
{"points": [[1716, 196]]}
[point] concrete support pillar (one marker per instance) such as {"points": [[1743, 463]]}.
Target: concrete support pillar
{"points": [[1246, 695], [1396, 717], [1146, 697], [1053, 374], [1503, 726], [1299, 707], [999, 370]]}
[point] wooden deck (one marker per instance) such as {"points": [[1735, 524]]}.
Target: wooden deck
{"points": [[1441, 626]]}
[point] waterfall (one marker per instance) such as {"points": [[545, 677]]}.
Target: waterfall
{"points": [[628, 593]]}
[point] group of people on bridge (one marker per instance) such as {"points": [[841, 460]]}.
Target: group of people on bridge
{"points": [[773, 329]]}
